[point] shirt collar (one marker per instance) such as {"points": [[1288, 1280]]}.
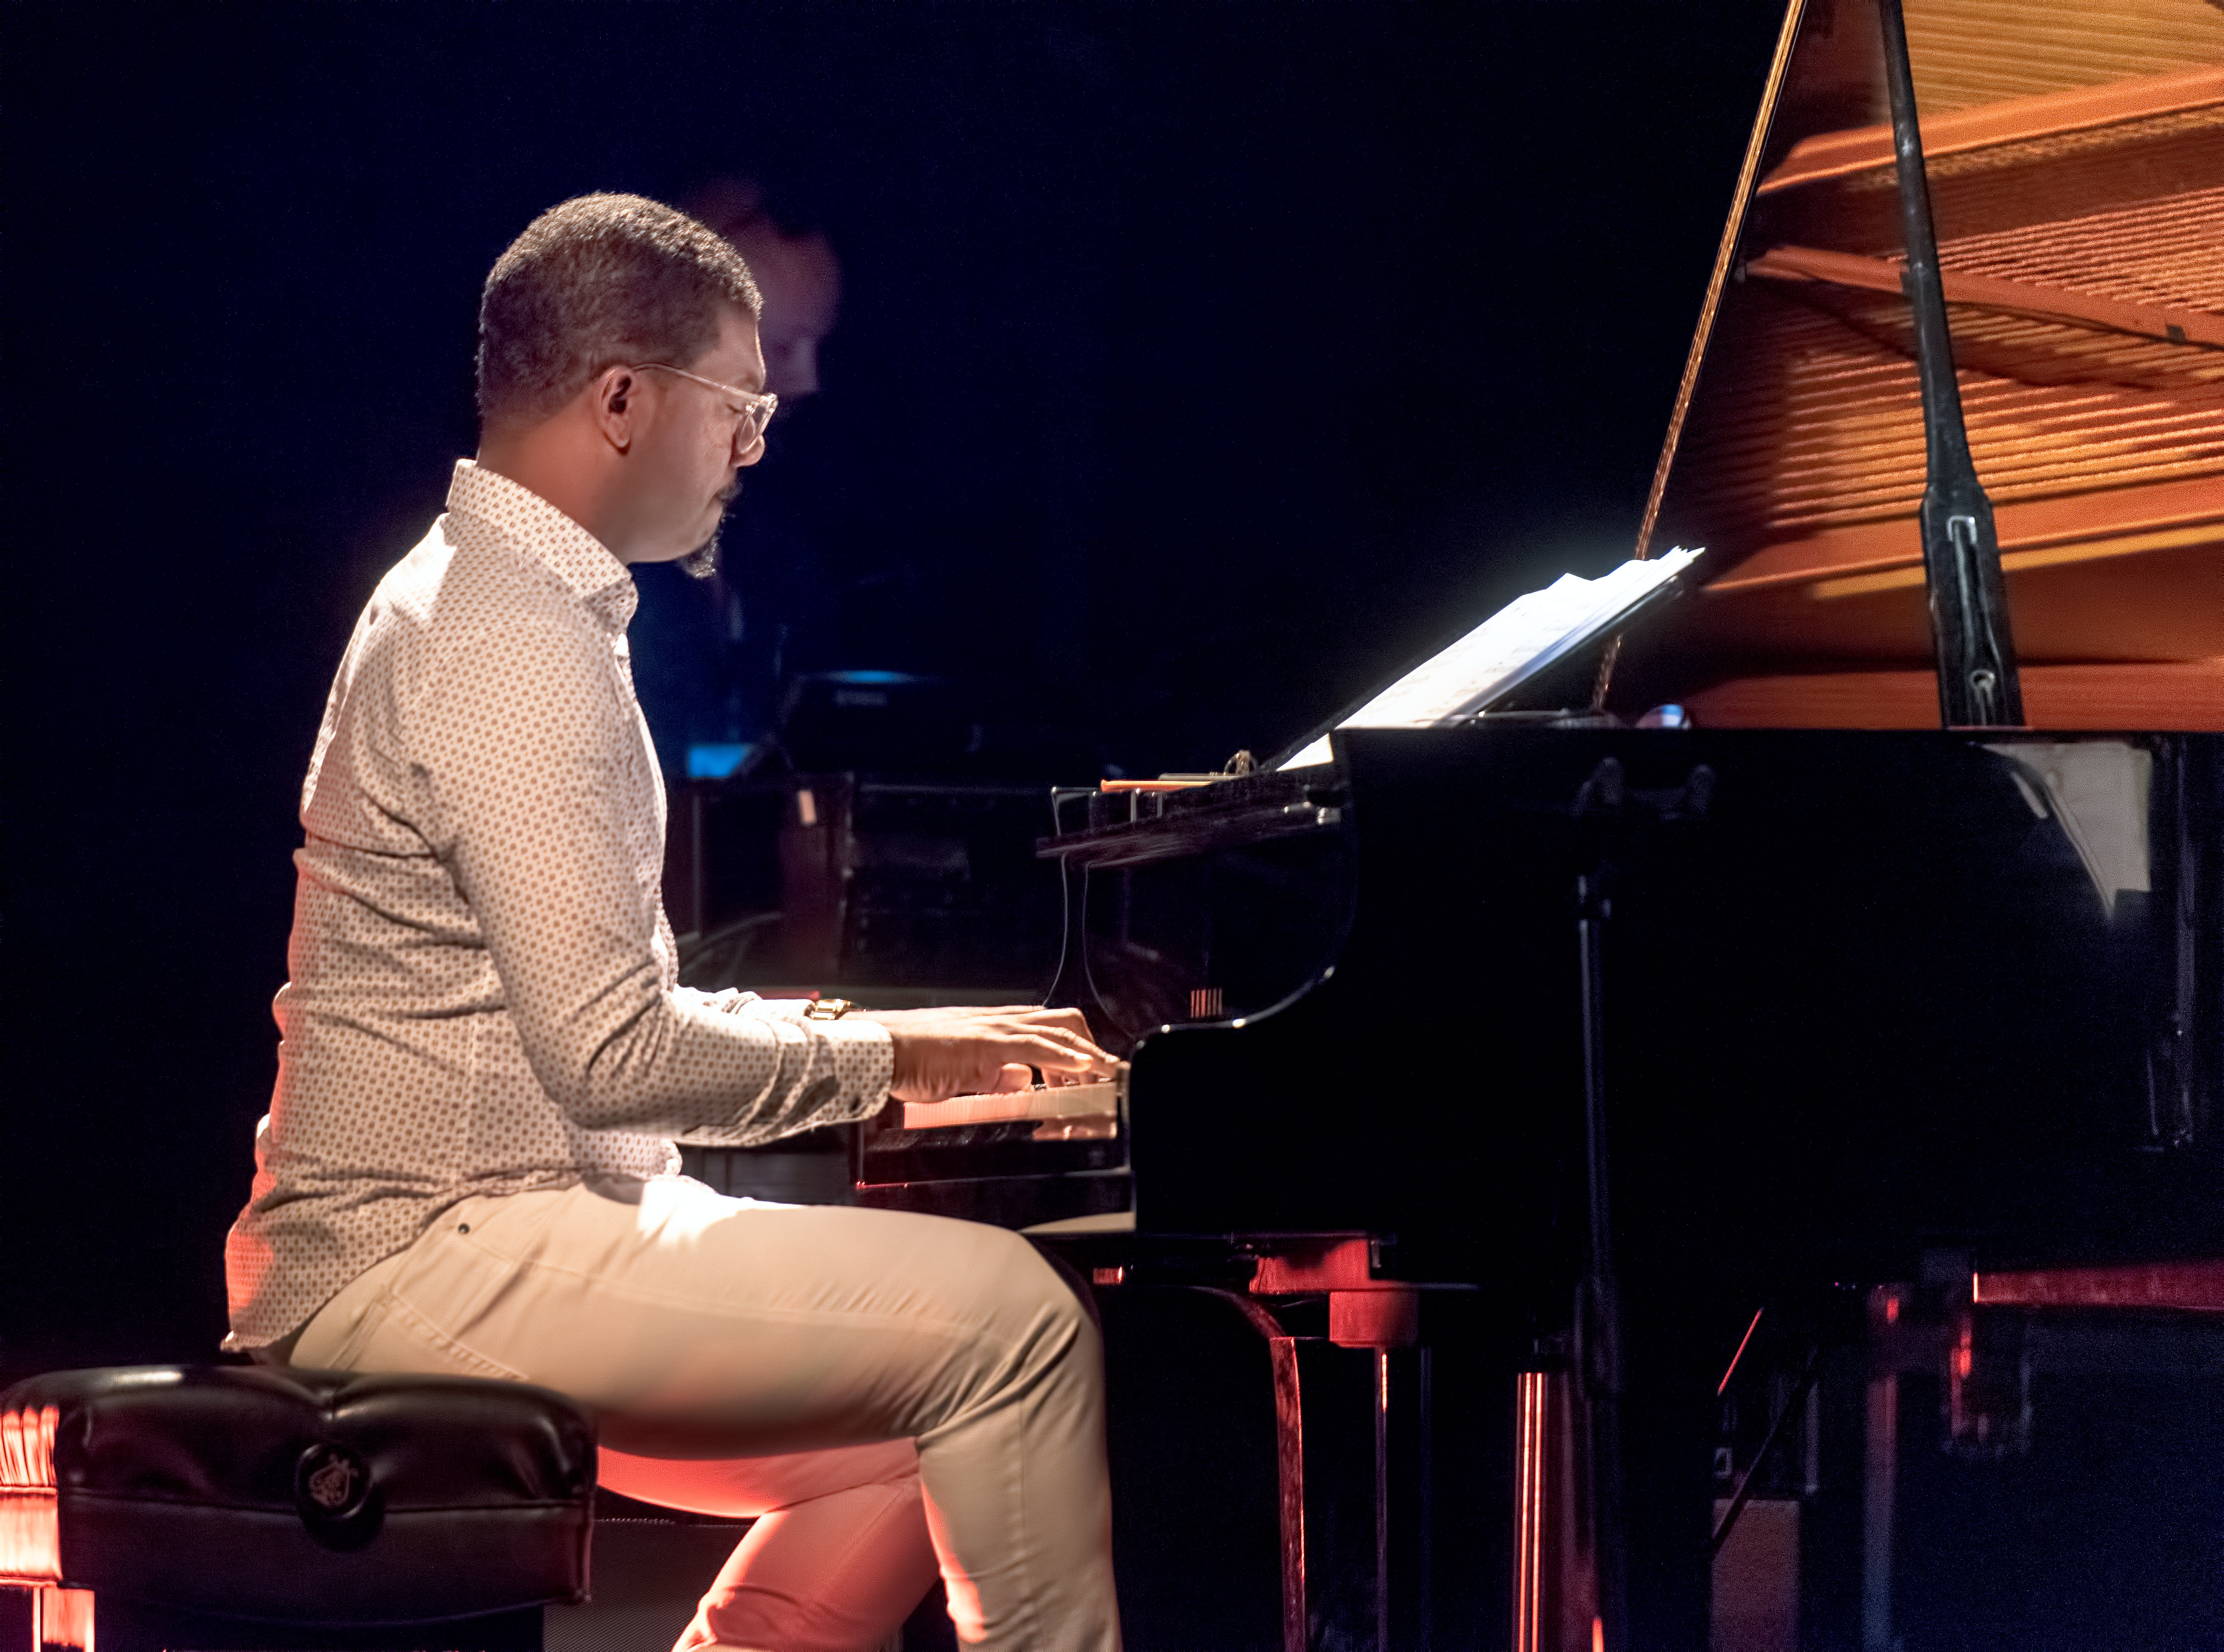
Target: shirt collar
{"points": [[545, 535]]}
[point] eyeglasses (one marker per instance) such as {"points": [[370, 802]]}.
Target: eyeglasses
{"points": [[753, 410]]}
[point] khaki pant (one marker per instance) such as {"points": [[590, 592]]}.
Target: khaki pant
{"points": [[887, 1392]]}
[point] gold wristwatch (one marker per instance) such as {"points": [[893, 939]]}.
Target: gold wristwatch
{"points": [[827, 1009]]}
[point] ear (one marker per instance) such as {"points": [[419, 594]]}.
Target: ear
{"points": [[614, 401]]}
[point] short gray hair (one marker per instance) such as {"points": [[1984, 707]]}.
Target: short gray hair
{"points": [[600, 281]]}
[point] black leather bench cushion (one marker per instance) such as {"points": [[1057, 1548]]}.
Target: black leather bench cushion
{"points": [[316, 1496]]}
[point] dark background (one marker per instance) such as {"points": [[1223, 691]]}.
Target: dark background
{"points": [[1199, 366]]}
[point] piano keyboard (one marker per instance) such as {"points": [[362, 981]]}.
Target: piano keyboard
{"points": [[1044, 1101]]}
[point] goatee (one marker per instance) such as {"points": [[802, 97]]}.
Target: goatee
{"points": [[702, 563]]}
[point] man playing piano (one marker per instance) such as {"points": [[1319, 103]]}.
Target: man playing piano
{"points": [[466, 1167]]}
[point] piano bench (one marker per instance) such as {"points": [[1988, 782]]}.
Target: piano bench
{"points": [[238, 1507]]}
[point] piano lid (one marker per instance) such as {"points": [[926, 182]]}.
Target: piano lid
{"points": [[2076, 165]]}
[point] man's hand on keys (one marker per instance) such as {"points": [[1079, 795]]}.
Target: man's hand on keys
{"points": [[973, 1051]]}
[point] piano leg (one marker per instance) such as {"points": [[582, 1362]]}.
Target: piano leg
{"points": [[1600, 1311], [1289, 1462], [1880, 1487], [1425, 1633], [1382, 1500], [1532, 1436], [1377, 1320]]}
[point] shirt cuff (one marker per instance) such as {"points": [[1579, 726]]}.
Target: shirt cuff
{"points": [[724, 1002], [789, 1009], [864, 1061]]}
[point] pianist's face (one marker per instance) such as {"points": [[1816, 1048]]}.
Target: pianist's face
{"points": [[692, 449]]}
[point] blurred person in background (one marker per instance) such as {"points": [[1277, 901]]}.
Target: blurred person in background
{"points": [[713, 640]]}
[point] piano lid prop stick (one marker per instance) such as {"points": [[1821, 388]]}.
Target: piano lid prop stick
{"points": [[1725, 259], [1978, 687]]}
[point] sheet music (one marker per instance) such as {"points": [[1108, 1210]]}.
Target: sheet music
{"points": [[1520, 639]]}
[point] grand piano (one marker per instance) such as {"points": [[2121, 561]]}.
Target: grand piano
{"points": [[1599, 1012]]}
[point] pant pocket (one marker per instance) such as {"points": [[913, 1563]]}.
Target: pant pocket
{"points": [[405, 1338], [354, 1318]]}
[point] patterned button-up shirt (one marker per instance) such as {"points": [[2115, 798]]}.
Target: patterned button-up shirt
{"points": [[484, 995]]}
